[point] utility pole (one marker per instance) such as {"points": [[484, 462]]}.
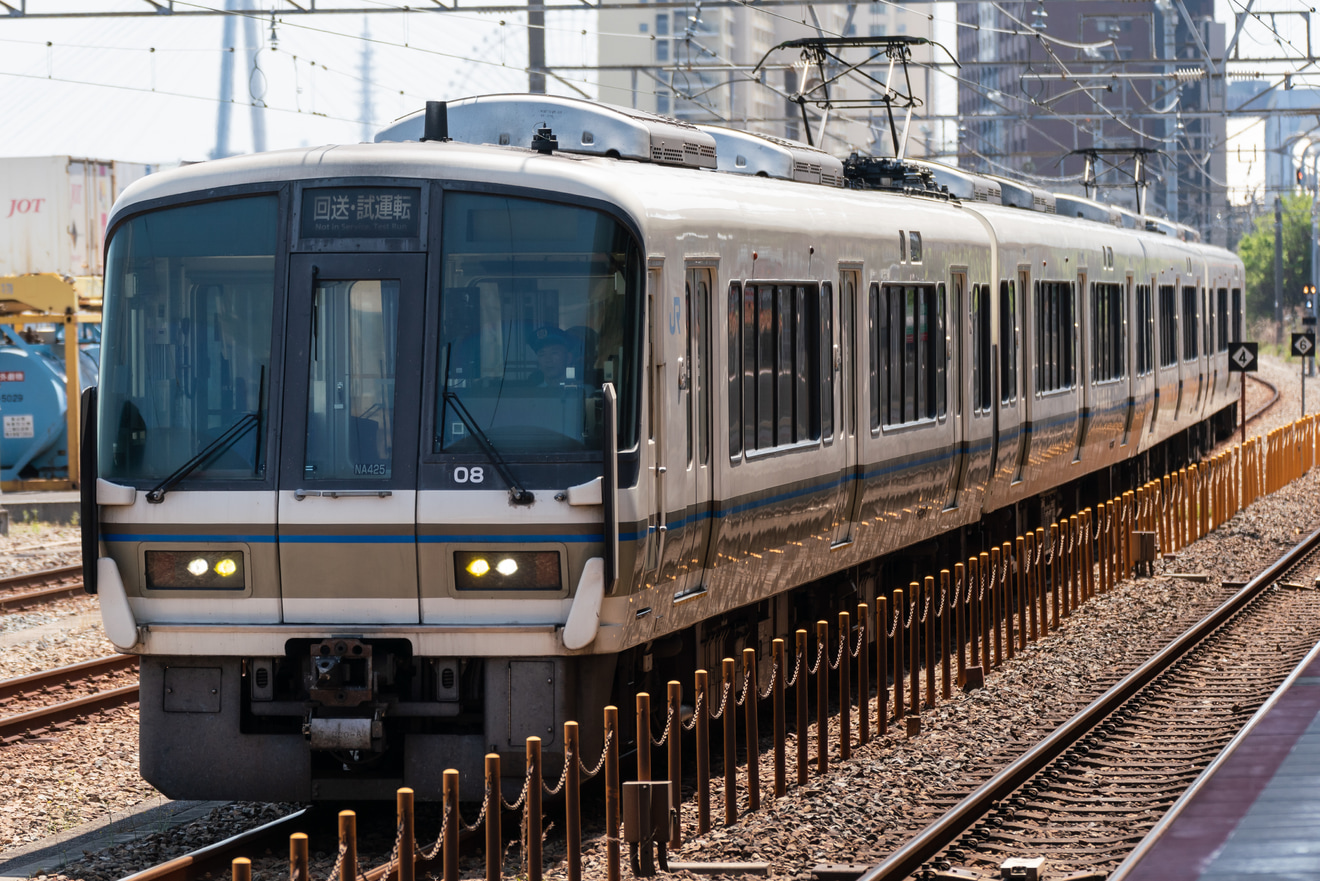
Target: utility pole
{"points": [[1278, 271], [536, 47]]}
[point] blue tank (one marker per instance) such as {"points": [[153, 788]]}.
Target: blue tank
{"points": [[33, 407]]}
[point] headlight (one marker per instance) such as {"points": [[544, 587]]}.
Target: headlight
{"points": [[190, 570], [507, 570]]}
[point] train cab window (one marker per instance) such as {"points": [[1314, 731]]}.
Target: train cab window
{"points": [[914, 247], [782, 388], [350, 395], [1236, 330], [1107, 339], [1190, 325], [540, 307], [1055, 362], [1008, 342], [1221, 319], [1168, 326], [908, 345], [982, 364], [1145, 337], [190, 296]]}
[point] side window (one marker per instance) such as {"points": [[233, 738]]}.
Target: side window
{"points": [[1237, 316], [1007, 342], [1145, 335], [1107, 338], [781, 388], [982, 380], [1190, 325], [1221, 319], [1055, 364], [908, 331], [1168, 326]]}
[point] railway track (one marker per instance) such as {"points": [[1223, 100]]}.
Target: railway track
{"points": [[37, 588], [38, 688], [215, 860], [1087, 794], [1264, 408]]}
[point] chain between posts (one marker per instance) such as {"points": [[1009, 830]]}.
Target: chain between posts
{"points": [[588, 774], [700, 705], [339, 863], [797, 668], [522, 796], [746, 687], [669, 724], [774, 675], [563, 777], [392, 864], [820, 656], [893, 624], [838, 656], [422, 854], [724, 702], [481, 817]]}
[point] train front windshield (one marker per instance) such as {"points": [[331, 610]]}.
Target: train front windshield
{"points": [[540, 309], [539, 306]]}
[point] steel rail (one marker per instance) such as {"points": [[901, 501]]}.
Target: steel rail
{"points": [[215, 859], [909, 858], [67, 711], [42, 576], [1274, 399], [15, 602], [60, 675]]}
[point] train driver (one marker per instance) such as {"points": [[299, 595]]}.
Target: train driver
{"points": [[557, 358]]}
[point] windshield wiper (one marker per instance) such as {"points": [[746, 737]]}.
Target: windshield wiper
{"points": [[227, 439], [517, 494]]}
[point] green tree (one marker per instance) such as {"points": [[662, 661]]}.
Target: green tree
{"points": [[1257, 252]]}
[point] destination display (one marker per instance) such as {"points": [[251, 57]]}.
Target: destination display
{"points": [[360, 213]]}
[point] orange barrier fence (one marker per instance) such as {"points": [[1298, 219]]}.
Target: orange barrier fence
{"points": [[945, 630]]}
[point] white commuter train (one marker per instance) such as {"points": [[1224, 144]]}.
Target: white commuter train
{"points": [[406, 451]]}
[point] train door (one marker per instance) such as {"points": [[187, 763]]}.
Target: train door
{"points": [[658, 316], [1082, 343], [842, 363], [959, 364], [697, 481], [1131, 341], [1012, 378], [347, 482]]}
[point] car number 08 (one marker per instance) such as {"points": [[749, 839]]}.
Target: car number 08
{"points": [[463, 474]]}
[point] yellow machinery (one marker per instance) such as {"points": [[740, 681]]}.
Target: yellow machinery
{"points": [[43, 299]]}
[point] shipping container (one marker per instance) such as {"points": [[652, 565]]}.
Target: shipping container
{"points": [[53, 211]]}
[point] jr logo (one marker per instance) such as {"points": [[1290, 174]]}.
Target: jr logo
{"points": [[675, 317]]}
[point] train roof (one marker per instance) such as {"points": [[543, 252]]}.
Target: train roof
{"points": [[484, 129]]}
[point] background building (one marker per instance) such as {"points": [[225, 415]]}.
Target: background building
{"points": [[697, 65], [1134, 78]]}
